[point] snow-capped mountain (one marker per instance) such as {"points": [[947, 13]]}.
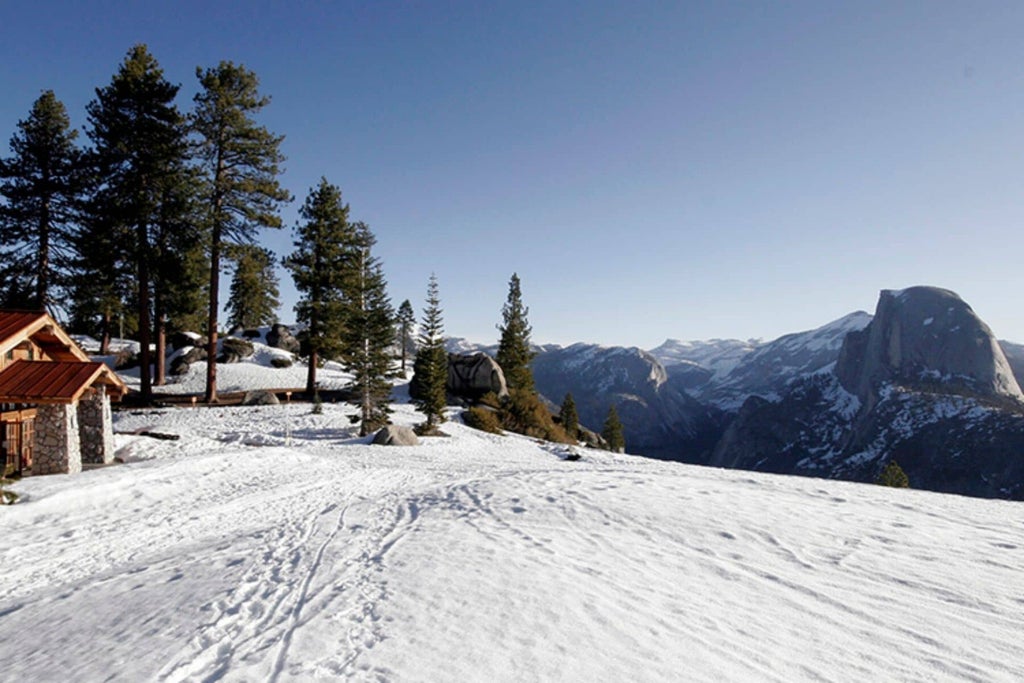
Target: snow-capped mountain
{"points": [[717, 357], [724, 372], [925, 384], [919, 381], [768, 369], [658, 419]]}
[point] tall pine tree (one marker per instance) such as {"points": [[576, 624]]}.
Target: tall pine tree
{"points": [[405, 321], [368, 332], [180, 267], [323, 253], [241, 162], [42, 184], [140, 153], [514, 354], [100, 293], [254, 295], [430, 369]]}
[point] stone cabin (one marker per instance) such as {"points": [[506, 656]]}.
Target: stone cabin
{"points": [[54, 401]]}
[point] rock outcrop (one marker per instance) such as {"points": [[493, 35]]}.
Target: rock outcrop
{"points": [[280, 337], [396, 435], [234, 349], [925, 336], [471, 376]]}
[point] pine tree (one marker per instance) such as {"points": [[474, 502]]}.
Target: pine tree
{"points": [[368, 332], [430, 369], [893, 475], [569, 417], [140, 153], [323, 242], [180, 266], [42, 184], [514, 354], [241, 162], [405, 321], [100, 295], [612, 432], [254, 295]]}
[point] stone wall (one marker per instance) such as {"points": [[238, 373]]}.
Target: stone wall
{"points": [[57, 448], [95, 427]]}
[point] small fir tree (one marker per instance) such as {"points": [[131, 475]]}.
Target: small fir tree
{"points": [[254, 295], [569, 417], [405, 321], [42, 185], [612, 432], [514, 354], [893, 475], [430, 369], [368, 333], [241, 164], [323, 253]]}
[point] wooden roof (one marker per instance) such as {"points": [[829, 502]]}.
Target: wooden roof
{"points": [[27, 381], [19, 326]]}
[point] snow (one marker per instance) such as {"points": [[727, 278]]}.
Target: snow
{"points": [[720, 356], [255, 372], [272, 544]]}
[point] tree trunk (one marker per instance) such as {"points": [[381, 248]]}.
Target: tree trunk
{"points": [[160, 377], [145, 369], [43, 283], [105, 333], [314, 358], [215, 246], [211, 325]]}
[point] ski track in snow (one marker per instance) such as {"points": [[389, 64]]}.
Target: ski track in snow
{"points": [[479, 557]]}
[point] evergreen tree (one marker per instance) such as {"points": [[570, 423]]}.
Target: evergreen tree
{"points": [[893, 475], [323, 242], [180, 266], [368, 332], [612, 432], [406, 319], [241, 162], [100, 296], [140, 153], [569, 417], [430, 369], [253, 300], [42, 184], [514, 354]]}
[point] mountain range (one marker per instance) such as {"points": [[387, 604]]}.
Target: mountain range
{"points": [[922, 381]]}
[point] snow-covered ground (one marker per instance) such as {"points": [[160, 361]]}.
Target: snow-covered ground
{"points": [[271, 544]]}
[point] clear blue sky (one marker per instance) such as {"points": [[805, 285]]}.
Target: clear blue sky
{"points": [[651, 170]]}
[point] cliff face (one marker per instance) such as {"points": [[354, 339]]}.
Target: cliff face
{"points": [[925, 383], [925, 337]]}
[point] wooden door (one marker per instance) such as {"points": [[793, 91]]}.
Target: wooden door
{"points": [[12, 447], [28, 442]]}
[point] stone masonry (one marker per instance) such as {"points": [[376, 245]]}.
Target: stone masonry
{"points": [[57, 448], [95, 427]]}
